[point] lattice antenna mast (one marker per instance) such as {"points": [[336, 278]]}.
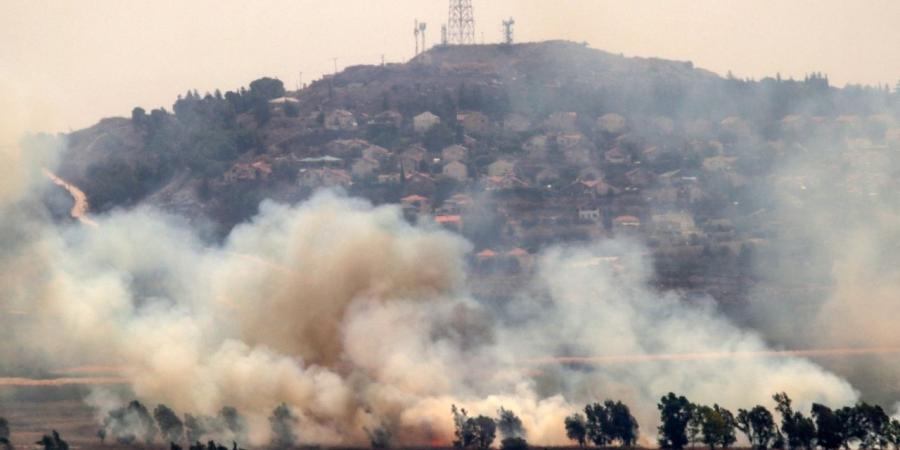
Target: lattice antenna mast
{"points": [[461, 23], [508, 31]]}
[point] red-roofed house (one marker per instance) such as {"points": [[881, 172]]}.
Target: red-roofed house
{"points": [[450, 222]]}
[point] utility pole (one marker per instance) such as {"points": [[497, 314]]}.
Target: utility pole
{"points": [[422, 27], [416, 35], [444, 34], [335, 65]]}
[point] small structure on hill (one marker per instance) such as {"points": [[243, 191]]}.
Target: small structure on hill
{"points": [[423, 122]]}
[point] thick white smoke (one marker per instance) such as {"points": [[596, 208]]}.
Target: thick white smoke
{"points": [[834, 260], [357, 319]]}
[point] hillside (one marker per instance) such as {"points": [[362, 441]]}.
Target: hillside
{"points": [[516, 147]]}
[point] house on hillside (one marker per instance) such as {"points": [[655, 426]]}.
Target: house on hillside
{"points": [[416, 200], [674, 226], [589, 189], [474, 122], [578, 156], [450, 222], [639, 178], [516, 123], [387, 118], [419, 183], [617, 156], [377, 153], [326, 177], [411, 159], [536, 148], [364, 167], [340, 120], [284, 104], [346, 148], [423, 122], [626, 224], [313, 162], [503, 182], [562, 121], [259, 170], [454, 152], [455, 170], [456, 204], [415, 205], [501, 167], [611, 124], [547, 177]]}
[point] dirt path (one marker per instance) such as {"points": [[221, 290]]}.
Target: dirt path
{"points": [[82, 206]]}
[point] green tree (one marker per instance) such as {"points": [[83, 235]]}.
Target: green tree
{"points": [[4, 434], [623, 427], [130, 423], [674, 414], [170, 425], [463, 428], [512, 432], [233, 422], [829, 429], [485, 429], [893, 433], [576, 428], [380, 437], [267, 88], [799, 430], [758, 425], [717, 426], [870, 425], [53, 442], [283, 423], [138, 116], [596, 424]]}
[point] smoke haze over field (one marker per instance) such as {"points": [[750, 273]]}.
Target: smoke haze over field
{"points": [[840, 218], [356, 320]]}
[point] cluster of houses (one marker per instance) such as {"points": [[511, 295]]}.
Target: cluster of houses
{"points": [[563, 180]]}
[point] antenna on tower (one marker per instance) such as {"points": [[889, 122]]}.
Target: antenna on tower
{"points": [[422, 27], [416, 35], [461, 23], [508, 31]]}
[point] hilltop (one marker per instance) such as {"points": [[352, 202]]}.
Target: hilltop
{"points": [[516, 147]]}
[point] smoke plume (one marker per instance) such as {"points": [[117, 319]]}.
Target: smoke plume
{"points": [[357, 320], [833, 266]]}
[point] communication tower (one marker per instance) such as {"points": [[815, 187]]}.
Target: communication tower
{"points": [[422, 27], [508, 31], [461, 23]]}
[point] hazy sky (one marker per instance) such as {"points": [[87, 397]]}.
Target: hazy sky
{"points": [[89, 59]]}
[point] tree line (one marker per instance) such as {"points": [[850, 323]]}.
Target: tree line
{"points": [[684, 423], [134, 424]]}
